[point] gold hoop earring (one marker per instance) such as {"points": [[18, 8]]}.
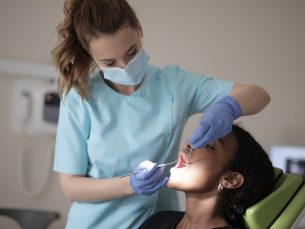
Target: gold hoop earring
{"points": [[219, 188]]}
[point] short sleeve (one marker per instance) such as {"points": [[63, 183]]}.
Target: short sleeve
{"points": [[196, 91], [71, 154]]}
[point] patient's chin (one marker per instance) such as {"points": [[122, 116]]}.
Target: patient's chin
{"points": [[179, 185], [172, 184], [172, 181], [175, 182]]}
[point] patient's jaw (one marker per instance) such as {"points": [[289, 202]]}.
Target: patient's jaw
{"points": [[205, 168]]}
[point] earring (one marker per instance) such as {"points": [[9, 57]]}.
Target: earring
{"points": [[220, 187]]}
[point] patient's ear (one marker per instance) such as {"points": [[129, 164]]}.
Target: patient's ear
{"points": [[231, 180]]}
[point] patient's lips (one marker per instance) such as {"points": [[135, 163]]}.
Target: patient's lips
{"points": [[182, 160]]}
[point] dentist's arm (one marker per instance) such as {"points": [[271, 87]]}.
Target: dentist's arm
{"points": [[147, 180], [86, 189], [218, 119], [251, 98]]}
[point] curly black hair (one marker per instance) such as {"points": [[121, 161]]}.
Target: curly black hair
{"points": [[253, 162]]}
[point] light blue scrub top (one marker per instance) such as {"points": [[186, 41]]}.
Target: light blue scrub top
{"points": [[109, 134]]}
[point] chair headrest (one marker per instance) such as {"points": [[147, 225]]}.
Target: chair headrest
{"points": [[267, 211]]}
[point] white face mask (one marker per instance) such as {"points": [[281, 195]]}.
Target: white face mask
{"points": [[134, 72]]}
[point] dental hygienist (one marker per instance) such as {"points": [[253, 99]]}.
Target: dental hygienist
{"points": [[118, 111]]}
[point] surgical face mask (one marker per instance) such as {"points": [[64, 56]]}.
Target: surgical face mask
{"points": [[134, 72]]}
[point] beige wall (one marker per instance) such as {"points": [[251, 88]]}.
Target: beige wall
{"points": [[257, 42]]}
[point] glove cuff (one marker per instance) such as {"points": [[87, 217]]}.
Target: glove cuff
{"points": [[132, 185], [235, 106]]}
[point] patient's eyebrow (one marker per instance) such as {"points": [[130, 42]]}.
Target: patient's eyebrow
{"points": [[221, 140]]}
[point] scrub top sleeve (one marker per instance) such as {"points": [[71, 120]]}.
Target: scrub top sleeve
{"points": [[71, 155], [195, 91], [209, 90]]}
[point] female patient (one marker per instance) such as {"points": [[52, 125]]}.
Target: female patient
{"points": [[220, 182]]}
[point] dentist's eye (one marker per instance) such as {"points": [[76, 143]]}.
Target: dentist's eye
{"points": [[133, 52], [110, 64]]}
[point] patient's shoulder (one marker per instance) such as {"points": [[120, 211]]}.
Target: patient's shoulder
{"points": [[163, 219]]}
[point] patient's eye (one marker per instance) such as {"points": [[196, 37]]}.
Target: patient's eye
{"points": [[210, 147]]}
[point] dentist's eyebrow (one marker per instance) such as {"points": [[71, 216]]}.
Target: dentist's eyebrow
{"points": [[111, 59], [134, 45]]}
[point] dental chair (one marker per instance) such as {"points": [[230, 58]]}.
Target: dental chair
{"points": [[283, 208], [30, 219]]}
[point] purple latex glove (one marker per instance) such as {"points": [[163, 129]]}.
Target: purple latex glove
{"points": [[216, 123], [149, 178]]}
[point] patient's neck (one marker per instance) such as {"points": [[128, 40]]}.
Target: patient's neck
{"points": [[202, 212]]}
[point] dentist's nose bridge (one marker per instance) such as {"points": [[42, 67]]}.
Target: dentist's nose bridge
{"points": [[123, 62]]}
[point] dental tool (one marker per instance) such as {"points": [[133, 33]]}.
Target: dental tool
{"points": [[161, 165], [189, 156]]}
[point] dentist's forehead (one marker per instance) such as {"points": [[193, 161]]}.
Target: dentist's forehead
{"points": [[109, 46]]}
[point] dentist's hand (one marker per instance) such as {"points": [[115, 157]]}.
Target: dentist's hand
{"points": [[149, 179], [216, 123]]}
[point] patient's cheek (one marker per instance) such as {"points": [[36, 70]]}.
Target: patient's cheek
{"points": [[180, 179], [176, 183], [190, 179], [176, 178]]}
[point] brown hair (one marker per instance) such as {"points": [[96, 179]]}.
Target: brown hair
{"points": [[84, 20]]}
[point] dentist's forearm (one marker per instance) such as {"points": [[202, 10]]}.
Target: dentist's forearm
{"points": [[80, 188], [251, 98]]}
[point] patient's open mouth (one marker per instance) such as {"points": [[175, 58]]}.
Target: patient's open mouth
{"points": [[182, 160]]}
